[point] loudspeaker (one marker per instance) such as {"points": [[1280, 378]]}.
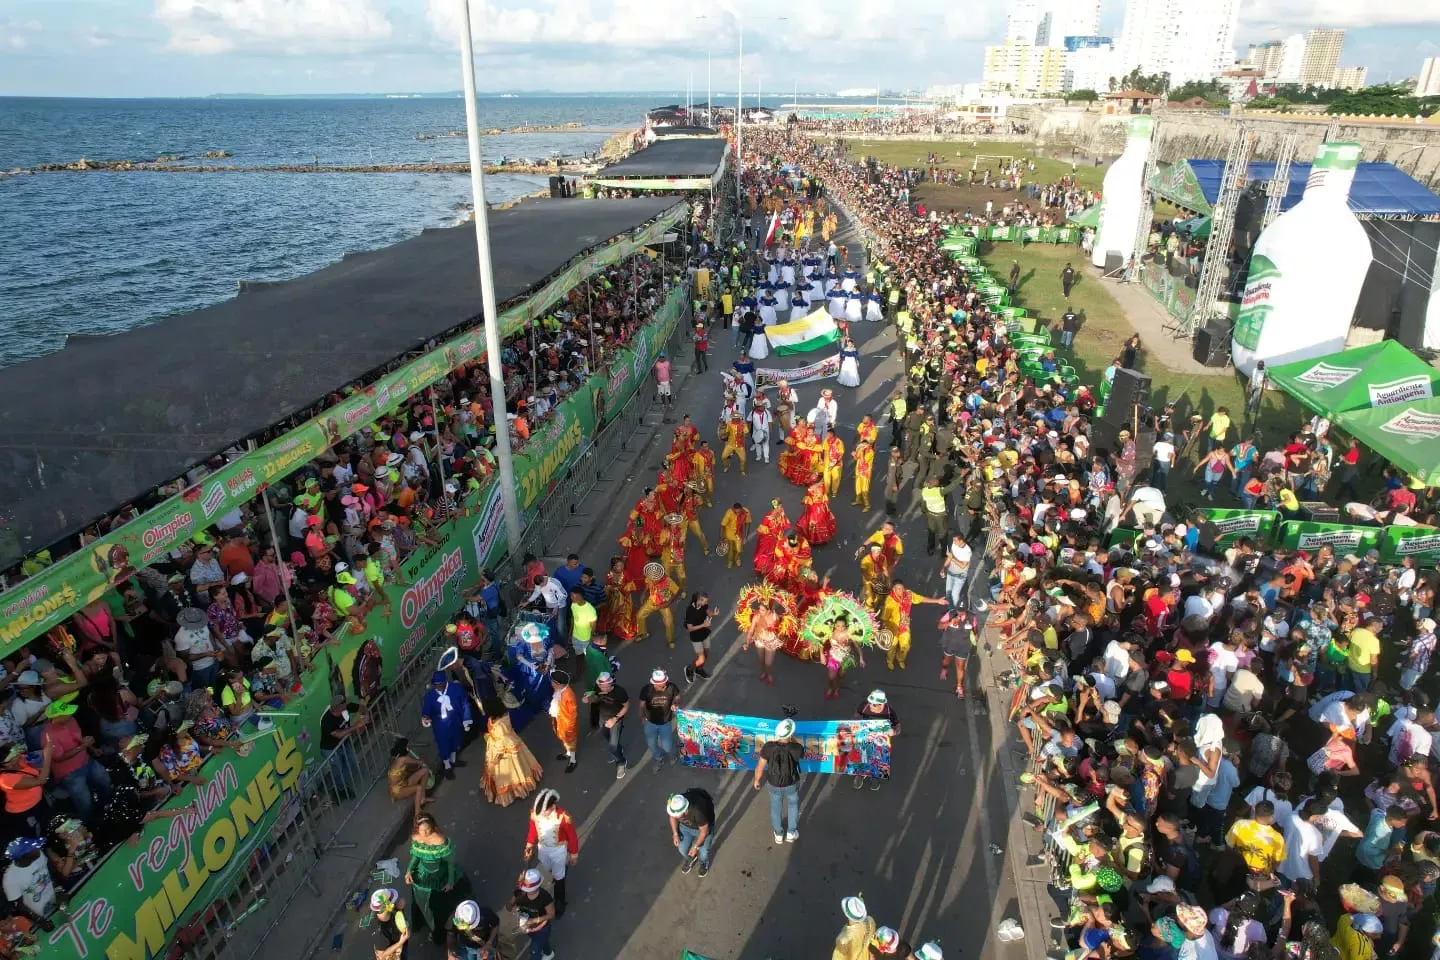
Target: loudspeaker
{"points": [[1105, 435], [1212, 345], [1318, 511], [1114, 264], [557, 187], [1130, 388]]}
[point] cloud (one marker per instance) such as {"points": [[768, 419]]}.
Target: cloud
{"points": [[209, 27], [1305, 14]]}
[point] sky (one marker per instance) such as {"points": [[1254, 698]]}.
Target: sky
{"points": [[148, 48]]}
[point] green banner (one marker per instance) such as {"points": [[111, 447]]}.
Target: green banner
{"points": [[137, 900], [1422, 543], [1258, 525], [43, 601], [678, 184], [1342, 538]]}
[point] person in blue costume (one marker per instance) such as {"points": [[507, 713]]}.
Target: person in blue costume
{"points": [[446, 711]]}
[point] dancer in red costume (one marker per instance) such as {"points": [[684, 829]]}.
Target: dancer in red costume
{"points": [[817, 523], [800, 460], [668, 492], [617, 613], [641, 539], [767, 535], [792, 559], [686, 436], [867, 431]]}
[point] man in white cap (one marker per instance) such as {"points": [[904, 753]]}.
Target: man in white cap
{"points": [[877, 707], [536, 909], [692, 827], [929, 950], [658, 700], [853, 941], [779, 768], [390, 931], [474, 933], [612, 705], [888, 943]]}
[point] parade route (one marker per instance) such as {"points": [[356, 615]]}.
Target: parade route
{"points": [[920, 849]]}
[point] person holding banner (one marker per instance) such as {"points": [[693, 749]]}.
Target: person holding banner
{"points": [[877, 707]]}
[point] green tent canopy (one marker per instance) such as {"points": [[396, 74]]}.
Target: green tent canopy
{"points": [[1089, 217], [1375, 375], [1178, 184], [1198, 227], [1406, 434]]}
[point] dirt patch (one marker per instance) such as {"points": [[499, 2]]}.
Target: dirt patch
{"points": [[948, 199]]}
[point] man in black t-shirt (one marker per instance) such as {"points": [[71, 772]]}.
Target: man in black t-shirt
{"points": [[613, 704], [877, 707], [536, 909], [779, 767], [697, 624], [658, 700], [473, 927], [692, 827], [336, 724]]}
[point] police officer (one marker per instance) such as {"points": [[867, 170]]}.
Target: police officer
{"points": [[937, 512]]}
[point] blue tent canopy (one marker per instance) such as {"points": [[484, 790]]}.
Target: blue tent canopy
{"points": [[1379, 190]]}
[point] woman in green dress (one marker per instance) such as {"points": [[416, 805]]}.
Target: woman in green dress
{"points": [[436, 883]]}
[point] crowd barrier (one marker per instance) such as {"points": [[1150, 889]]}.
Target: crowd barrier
{"points": [[1269, 529]]}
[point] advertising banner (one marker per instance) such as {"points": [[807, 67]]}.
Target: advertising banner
{"points": [[142, 895], [1258, 525], [819, 370], [1422, 543], [46, 599], [725, 742], [1342, 538]]}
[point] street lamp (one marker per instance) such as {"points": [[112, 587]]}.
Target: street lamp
{"points": [[498, 412]]}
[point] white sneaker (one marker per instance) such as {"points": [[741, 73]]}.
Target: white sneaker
{"points": [[779, 838], [620, 771], [792, 836]]}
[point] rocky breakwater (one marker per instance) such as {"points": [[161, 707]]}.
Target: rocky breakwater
{"points": [[178, 165]]}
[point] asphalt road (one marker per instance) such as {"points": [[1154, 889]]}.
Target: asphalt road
{"points": [[919, 849]]}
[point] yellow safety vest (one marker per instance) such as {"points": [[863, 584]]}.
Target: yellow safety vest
{"points": [[897, 408], [934, 499]]}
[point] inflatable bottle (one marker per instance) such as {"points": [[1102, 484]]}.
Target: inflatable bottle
{"points": [[1122, 194], [1306, 271]]}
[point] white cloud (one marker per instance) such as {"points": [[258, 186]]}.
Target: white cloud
{"points": [[207, 27], [1304, 14]]}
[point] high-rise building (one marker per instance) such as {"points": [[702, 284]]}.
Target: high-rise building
{"points": [[1022, 22], [1348, 78], [1322, 56], [1429, 83], [1046, 23], [1188, 39], [1292, 56], [1266, 57], [1023, 69], [1089, 65]]}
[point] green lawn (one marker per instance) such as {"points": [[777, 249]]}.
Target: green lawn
{"points": [[1050, 165]]}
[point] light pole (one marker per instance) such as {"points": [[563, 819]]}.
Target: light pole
{"points": [[498, 412]]}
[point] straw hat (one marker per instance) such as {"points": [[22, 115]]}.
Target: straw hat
{"points": [[654, 572], [675, 519]]}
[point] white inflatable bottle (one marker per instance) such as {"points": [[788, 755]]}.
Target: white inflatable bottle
{"points": [[1306, 271], [1122, 195]]}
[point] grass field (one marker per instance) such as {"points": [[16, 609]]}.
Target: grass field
{"points": [[1050, 165]]}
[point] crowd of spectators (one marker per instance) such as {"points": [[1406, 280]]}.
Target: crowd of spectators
{"points": [[1232, 742], [110, 715]]}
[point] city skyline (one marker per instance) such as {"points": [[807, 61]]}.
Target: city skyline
{"points": [[205, 47]]}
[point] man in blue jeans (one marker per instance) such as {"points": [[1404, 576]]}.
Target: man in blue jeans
{"points": [[612, 704], [658, 700], [779, 766], [692, 827]]}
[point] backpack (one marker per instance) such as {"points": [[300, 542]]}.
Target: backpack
{"points": [[784, 770]]}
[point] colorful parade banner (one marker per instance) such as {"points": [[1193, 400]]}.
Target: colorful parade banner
{"points": [[1258, 525], [820, 370], [46, 599], [1342, 538], [719, 741], [1422, 543]]}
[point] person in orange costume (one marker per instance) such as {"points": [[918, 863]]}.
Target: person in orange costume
{"points": [[564, 718], [867, 431], [792, 557], [817, 523]]}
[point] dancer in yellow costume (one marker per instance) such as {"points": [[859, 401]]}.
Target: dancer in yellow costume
{"points": [[672, 553], [864, 456], [853, 941], [702, 463], [834, 460], [895, 617], [660, 591], [875, 576], [737, 432], [734, 527]]}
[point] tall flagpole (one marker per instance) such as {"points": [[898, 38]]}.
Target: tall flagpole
{"points": [[740, 120], [498, 411]]}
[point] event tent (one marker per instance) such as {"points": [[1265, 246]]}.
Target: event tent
{"points": [[1089, 217], [1375, 375], [1406, 434], [1379, 190]]}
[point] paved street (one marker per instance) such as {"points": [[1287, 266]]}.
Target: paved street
{"points": [[918, 849]]}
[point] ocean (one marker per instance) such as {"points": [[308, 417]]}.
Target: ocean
{"points": [[100, 252]]}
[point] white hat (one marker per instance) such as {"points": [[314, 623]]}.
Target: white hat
{"points": [[383, 899], [784, 728], [877, 698], [605, 679], [677, 805], [394, 460], [887, 939], [1160, 885], [1427, 625], [929, 950], [239, 578], [530, 880], [659, 677], [1111, 709], [415, 437], [854, 908], [467, 915], [342, 567], [450, 487]]}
